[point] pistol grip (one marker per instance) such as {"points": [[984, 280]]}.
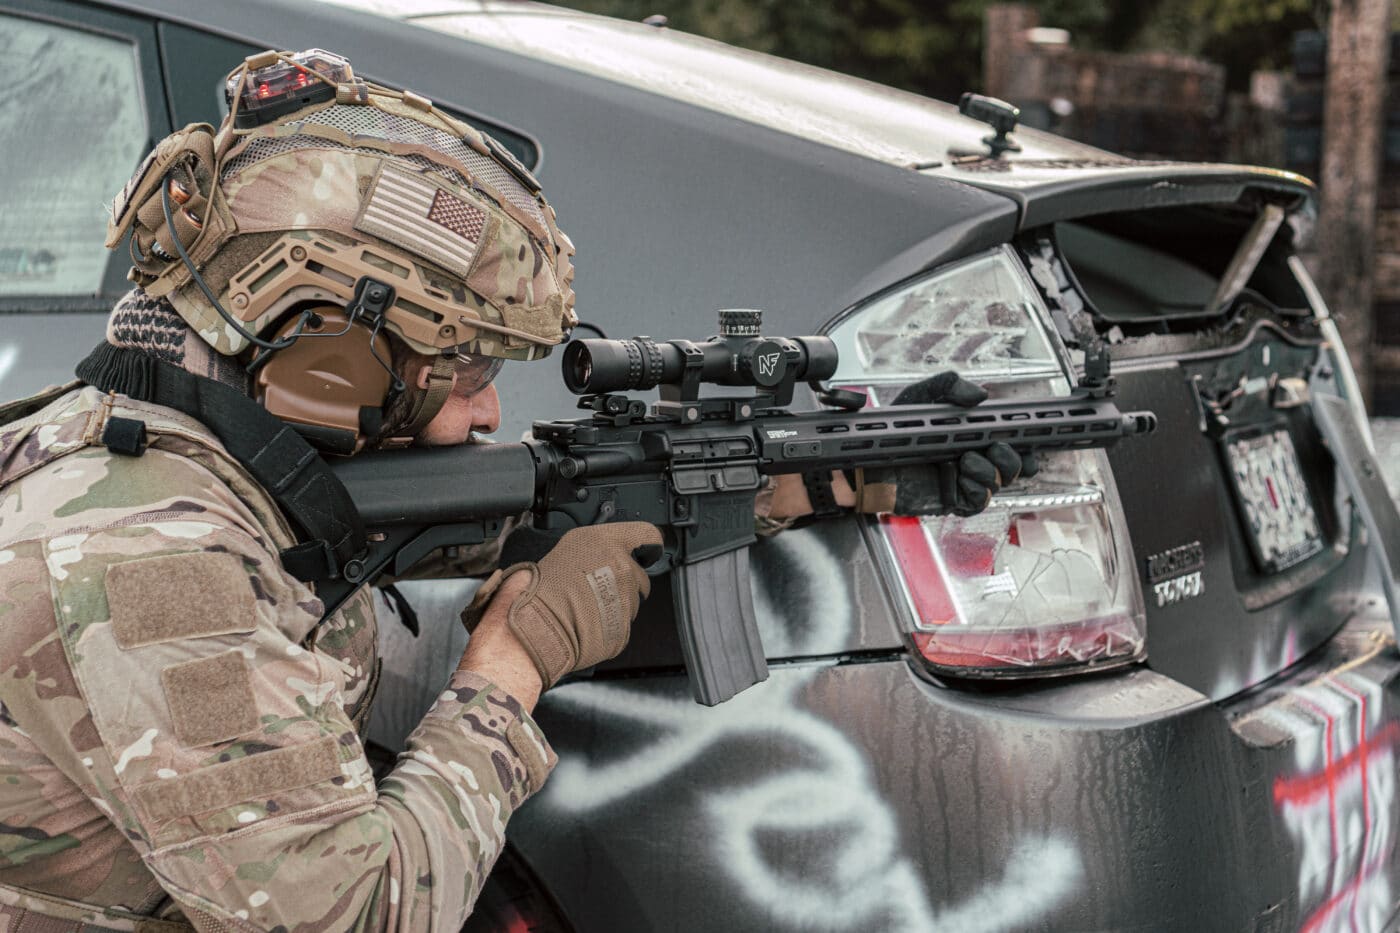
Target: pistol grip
{"points": [[718, 632]]}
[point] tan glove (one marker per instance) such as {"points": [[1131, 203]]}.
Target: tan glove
{"points": [[582, 597]]}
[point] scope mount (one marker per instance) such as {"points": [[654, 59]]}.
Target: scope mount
{"points": [[767, 364]]}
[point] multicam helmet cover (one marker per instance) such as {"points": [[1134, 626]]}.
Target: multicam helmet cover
{"points": [[365, 182]]}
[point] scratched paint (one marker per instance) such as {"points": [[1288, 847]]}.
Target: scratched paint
{"points": [[829, 794], [1339, 804]]}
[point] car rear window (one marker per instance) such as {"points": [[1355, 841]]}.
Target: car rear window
{"points": [[1144, 267], [65, 153]]}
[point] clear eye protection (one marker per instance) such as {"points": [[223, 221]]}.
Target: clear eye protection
{"points": [[475, 372]]}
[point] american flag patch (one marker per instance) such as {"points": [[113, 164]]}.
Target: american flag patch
{"points": [[410, 211]]}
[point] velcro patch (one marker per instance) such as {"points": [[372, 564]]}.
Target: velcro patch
{"points": [[150, 599], [256, 777], [211, 699]]}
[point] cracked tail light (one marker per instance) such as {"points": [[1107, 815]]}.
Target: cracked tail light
{"points": [[1041, 582], [1037, 582]]}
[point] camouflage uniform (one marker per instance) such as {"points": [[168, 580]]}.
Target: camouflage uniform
{"points": [[181, 738]]}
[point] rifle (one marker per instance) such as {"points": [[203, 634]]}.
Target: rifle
{"points": [[691, 466]]}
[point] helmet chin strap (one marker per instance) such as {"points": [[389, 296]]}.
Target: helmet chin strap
{"points": [[426, 403]]}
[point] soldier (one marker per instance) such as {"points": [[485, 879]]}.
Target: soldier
{"points": [[181, 731]]}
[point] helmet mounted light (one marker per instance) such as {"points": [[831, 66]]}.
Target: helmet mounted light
{"points": [[274, 85]]}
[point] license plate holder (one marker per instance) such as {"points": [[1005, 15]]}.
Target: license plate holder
{"points": [[1275, 506]]}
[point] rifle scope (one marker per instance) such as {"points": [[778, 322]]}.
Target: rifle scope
{"points": [[738, 356]]}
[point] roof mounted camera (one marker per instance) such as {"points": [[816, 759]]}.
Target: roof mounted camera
{"points": [[997, 114]]}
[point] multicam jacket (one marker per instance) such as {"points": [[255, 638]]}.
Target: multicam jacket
{"points": [[179, 738]]}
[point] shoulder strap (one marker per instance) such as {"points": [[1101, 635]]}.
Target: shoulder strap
{"points": [[282, 462]]}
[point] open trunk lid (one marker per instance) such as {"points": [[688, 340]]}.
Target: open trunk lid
{"points": [[1245, 543]]}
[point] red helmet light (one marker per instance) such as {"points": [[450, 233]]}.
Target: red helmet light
{"points": [[287, 84]]}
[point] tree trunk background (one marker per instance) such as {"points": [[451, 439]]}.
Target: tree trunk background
{"points": [[1358, 48]]}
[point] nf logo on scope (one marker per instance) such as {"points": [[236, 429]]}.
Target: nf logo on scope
{"points": [[768, 364]]}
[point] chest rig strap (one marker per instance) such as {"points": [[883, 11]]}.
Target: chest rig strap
{"points": [[332, 535]]}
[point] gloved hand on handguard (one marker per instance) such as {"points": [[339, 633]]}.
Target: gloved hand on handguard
{"points": [[961, 487]]}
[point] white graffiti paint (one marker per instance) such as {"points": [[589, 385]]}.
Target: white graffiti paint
{"points": [[1340, 805], [1040, 874], [829, 796]]}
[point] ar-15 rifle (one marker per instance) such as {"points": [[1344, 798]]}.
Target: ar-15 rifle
{"points": [[691, 465]]}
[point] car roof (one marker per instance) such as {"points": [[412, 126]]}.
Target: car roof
{"points": [[822, 106], [907, 156], [843, 224], [1050, 177]]}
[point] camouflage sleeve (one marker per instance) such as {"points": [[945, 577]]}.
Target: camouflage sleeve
{"points": [[764, 524], [220, 745]]}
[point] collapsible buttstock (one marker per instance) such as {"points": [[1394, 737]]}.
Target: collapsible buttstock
{"points": [[718, 631]]}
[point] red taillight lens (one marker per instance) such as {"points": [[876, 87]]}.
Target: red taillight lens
{"points": [[1031, 585], [1042, 581]]}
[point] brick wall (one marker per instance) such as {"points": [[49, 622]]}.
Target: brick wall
{"points": [[1149, 104]]}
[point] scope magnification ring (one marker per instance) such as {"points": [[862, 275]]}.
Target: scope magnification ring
{"points": [[634, 362], [651, 370]]}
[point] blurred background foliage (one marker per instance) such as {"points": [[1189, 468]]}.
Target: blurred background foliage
{"points": [[935, 48]]}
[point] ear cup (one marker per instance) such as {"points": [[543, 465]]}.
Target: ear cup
{"points": [[322, 381]]}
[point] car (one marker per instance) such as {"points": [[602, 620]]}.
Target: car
{"points": [[1154, 688]]}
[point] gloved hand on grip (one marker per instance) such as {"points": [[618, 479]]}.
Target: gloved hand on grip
{"points": [[578, 607]]}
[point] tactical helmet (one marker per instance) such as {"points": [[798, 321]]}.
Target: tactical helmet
{"points": [[321, 189]]}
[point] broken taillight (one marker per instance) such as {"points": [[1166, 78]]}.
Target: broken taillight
{"points": [[1041, 581]]}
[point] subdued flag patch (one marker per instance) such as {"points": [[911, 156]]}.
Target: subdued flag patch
{"points": [[413, 212]]}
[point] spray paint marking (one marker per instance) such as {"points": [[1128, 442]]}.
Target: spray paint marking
{"points": [[867, 882], [1340, 807]]}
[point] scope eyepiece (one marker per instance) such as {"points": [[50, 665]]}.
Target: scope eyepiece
{"points": [[596, 366]]}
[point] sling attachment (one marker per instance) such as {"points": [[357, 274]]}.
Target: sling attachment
{"points": [[125, 436], [402, 608], [279, 459], [821, 495]]}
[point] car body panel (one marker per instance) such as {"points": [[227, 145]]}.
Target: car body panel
{"points": [[840, 111], [38, 350], [1242, 626], [1121, 802]]}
